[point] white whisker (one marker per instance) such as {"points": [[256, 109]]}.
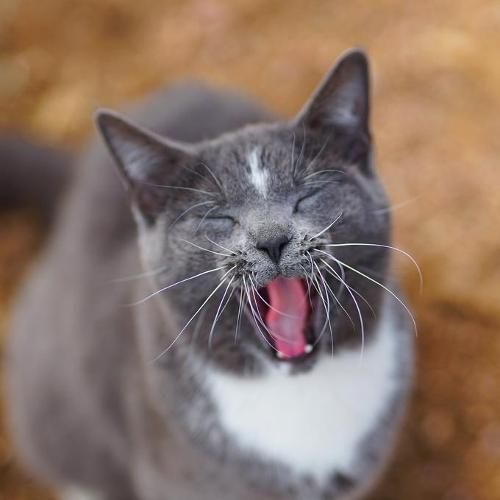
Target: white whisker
{"points": [[205, 249], [318, 154], [308, 284], [355, 304], [220, 310], [319, 172], [232, 252], [249, 300], [327, 227], [319, 183], [238, 318], [141, 301], [327, 311], [261, 319], [337, 300], [181, 188], [397, 206], [191, 208], [214, 291], [396, 249], [388, 290], [205, 215], [216, 180]]}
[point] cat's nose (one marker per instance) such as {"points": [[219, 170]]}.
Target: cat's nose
{"points": [[273, 246]]}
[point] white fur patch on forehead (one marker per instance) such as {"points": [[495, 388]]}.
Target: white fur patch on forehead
{"points": [[257, 175]]}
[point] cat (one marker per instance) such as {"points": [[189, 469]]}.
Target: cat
{"points": [[218, 321]]}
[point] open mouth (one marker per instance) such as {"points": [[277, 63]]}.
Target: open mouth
{"points": [[286, 309]]}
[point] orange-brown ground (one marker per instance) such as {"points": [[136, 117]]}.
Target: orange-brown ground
{"points": [[437, 124]]}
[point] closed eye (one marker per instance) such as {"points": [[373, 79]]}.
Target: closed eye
{"points": [[221, 218], [307, 196]]}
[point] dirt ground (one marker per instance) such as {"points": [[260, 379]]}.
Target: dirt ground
{"points": [[436, 121]]}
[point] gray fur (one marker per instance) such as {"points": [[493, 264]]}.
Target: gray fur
{"points": [[96, 401]]}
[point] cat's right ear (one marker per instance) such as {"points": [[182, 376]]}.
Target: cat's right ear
{"points": [[342, 100], [145, 160], [340, 108]]}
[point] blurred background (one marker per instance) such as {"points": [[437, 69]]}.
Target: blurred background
{"points": [[437, 127]]}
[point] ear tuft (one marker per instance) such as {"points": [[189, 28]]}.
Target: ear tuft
{"points": [[342, 98]]}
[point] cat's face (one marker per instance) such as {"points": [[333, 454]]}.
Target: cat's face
{"points": [[247, 222]]}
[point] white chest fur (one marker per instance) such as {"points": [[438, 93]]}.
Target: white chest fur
{"points": [[312, 422]]}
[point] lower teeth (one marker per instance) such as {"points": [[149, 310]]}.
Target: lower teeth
{"points": [[307, 350]]}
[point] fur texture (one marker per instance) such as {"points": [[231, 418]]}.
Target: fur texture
{"points": [[78, 494], [292, 418], [133, 388]]}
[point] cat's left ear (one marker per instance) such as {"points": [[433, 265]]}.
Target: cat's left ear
{"points": [[342, 100]]}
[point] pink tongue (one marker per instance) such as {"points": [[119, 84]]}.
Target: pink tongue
{"points": [[287, 316]]}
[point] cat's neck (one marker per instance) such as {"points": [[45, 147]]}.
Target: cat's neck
{"points": [[310, 424], [313, 422]]}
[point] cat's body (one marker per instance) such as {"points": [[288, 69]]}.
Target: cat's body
{"points": [[93, 406]]}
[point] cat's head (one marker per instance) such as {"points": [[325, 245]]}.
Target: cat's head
{"points": [[245, 224]]}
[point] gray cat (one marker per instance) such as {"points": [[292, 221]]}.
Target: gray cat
{"points": [[260, 351]]}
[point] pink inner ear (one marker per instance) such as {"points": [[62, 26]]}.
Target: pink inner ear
{"points": [[286, 319]]}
